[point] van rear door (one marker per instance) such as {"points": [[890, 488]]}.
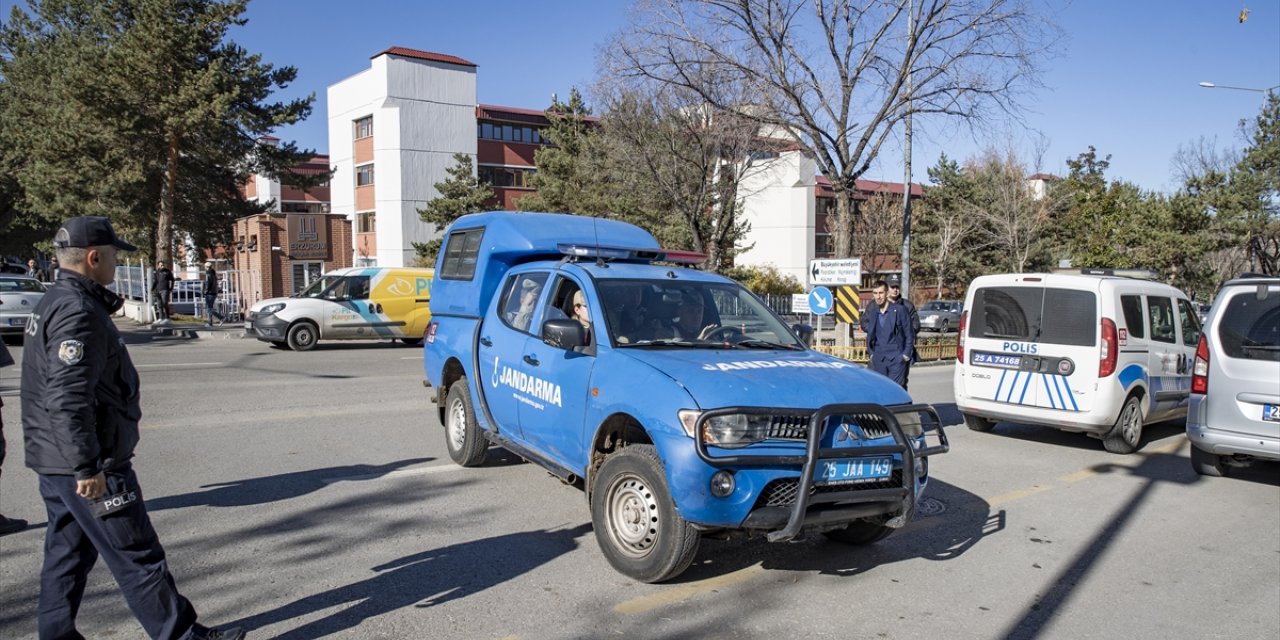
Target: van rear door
{"points": [[1033, 345]]}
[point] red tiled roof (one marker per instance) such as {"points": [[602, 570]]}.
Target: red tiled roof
{"points": [[873, 186], [424, 55]]}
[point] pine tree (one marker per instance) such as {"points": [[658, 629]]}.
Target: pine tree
{"points": [[141, 110], [460, 194]]}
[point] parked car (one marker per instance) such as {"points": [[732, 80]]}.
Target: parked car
{"points": [[18, 298], [940, 315], [1234, 414]]}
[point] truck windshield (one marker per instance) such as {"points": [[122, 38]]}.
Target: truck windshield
{"points": [[661, 313]]}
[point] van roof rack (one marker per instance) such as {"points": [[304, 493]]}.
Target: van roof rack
{"points": [[1141, 274]]}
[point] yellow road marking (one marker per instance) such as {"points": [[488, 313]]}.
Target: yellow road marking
{"points": [[686, 591], [1015, 495]]}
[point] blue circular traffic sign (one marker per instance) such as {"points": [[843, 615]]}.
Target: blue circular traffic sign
{"points": [[820, 301]]}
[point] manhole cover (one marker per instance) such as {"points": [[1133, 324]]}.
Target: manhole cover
{"points": [[929, 507]]}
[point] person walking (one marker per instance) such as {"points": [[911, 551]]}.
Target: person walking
{"points": [[7, 525], [80, 413], [895, 297], [890, 341], [211, 291], [161, 289], [34, 271]]}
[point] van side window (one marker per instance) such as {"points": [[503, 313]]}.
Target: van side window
{"points": [[358, 287], [1132, 308], [460, 254], [1190, 323], [1160, 313]]}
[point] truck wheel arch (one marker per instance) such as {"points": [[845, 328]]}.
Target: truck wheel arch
{"points": [[616, 432], [451, 372]]}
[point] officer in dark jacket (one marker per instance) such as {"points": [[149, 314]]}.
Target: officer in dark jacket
{"points": [[896, 297], [80, 412]]}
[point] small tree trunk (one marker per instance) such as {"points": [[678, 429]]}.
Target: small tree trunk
{"points": [[840, 224], [168, 202]]}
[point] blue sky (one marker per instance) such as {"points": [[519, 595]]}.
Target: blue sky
{"points": [[1125, 80]]}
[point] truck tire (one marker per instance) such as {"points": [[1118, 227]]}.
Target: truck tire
{"points": [[860, 532], [467, 446], [1207, 464], [1125, 436], [302, 336], [978, 423], [636, 522]]}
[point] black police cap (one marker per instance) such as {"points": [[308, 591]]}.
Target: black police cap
{"points": [[89, 231]]}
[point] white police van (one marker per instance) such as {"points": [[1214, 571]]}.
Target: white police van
{"points": [[1095, 352]]}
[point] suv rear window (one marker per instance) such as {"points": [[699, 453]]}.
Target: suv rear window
{"points": [[1250, 327], [1035, 314], [460, 254]]}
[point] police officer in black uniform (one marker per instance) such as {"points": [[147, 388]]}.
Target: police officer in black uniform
{"points": [[80, 412]]}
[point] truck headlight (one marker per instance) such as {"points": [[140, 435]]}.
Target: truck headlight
{"points": [[272, 308], [732, 430]]}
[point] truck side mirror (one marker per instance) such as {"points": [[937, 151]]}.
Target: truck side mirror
{"points": [[804, 332], [563, 333]]}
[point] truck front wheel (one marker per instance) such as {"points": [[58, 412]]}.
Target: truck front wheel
{"points": [[467, 446], [635, 520]]}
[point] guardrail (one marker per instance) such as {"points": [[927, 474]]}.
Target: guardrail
{"points": [[929, 348]]}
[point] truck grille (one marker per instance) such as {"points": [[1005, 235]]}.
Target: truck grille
{"points": [[796, 427], [782, 492]]}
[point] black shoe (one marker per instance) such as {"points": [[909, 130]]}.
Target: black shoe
{"points": [[201, 632], [11, 525]]}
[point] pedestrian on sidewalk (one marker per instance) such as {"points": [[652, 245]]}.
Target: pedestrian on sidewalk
{"points": [[34, 271], [211, 292], [161, 289], [896, 297], [890, 340], [80, 412], [7, 525]]}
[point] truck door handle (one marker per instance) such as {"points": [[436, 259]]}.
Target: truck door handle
{"points": [[486, 342], [531, 360]]}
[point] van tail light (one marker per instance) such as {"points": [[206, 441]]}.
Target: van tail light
{"points": [[1200, 371], [964, 320], [1109, 352]]}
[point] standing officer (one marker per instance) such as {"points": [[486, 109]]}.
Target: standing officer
{"points": [[80, 412], [890, 341], [895, 297]]}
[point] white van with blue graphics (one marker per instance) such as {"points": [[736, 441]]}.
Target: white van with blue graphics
{"points": [[1095, 352]]}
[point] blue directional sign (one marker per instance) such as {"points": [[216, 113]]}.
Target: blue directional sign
{"points": [[821, 301]]}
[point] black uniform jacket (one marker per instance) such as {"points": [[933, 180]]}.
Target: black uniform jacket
{"points": [[80, 402]]}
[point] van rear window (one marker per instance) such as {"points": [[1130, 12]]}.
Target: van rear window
{"points": [[1250, 327], [1035, 314]]}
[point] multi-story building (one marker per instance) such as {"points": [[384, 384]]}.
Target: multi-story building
{"points": [[395, 127]]}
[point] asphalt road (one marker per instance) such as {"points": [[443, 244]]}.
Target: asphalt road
{"points": [[309, 495]]}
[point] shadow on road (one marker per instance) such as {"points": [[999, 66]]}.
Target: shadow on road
{"points": [[424, 579], [285, 486]]}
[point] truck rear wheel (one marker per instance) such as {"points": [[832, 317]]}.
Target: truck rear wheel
{"points": [[1127, 432], [636, 522], [467, 446], [860, 532], [302, 336]]}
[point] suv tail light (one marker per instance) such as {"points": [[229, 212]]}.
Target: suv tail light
{"points": [[964, 319], [1200, 370], [1109, 352]]}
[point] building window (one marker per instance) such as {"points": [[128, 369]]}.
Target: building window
{"points": [[364, 127], [822, 243], [301, 207], [365, 222], [364, 175], [525, 134], [304, 273], [366, 262], [505, 176]]}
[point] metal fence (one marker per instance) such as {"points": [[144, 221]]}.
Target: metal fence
{"points": [[238, 290]]}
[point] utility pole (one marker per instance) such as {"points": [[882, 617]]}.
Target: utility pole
{"points": [[906, 155]]}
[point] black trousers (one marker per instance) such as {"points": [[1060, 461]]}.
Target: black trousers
{"points": [[129, 546]]}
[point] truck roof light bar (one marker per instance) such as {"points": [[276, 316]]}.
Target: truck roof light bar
{"points": [[639, 254]]}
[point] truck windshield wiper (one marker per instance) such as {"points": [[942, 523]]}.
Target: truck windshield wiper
{"points": [[676, 343], [765, 344]]}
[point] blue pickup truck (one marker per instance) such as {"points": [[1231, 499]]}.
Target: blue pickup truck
{"points": [[673, 397]]}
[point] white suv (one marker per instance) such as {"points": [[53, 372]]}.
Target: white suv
{"points": [[1234, 414]]}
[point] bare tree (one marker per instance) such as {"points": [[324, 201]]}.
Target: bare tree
{"points": [[1201, 157], [1013, 216], [877, 222], [837, 76], [951, 229]]}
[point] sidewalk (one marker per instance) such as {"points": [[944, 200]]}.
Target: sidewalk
{"points": [[183, 328]]}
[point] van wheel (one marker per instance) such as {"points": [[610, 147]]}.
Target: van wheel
{"points": [[462, 436], [978, 423], [860, 532], [302, 336], [636, 523], [1127, 433], [1207, 464]]}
